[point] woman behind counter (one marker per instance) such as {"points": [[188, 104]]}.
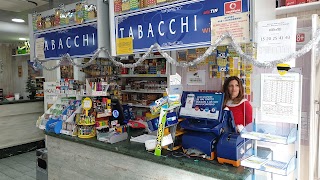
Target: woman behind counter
{"points": [[235, 101]]}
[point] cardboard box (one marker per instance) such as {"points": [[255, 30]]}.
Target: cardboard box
{"points": [[300, 1], [290, 2]]}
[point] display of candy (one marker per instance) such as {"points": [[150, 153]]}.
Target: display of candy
{"points": [[61, 16], [125, 5], [134, 4], [117, 6]]}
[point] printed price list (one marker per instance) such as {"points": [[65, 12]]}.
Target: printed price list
{"points": [[280, 97]]}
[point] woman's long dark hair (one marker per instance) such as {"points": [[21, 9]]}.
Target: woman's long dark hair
{"points": [[226, 90]]}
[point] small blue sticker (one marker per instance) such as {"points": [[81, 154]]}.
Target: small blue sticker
{"points": [[115, 113]]}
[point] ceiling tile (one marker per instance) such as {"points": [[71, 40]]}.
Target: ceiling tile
{"points": [[20, 5]]}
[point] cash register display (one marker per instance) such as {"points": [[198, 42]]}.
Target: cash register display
{"points": [[201, 105]]}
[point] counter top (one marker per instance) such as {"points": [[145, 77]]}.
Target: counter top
{"points": [[196, 165], [5, 102]]}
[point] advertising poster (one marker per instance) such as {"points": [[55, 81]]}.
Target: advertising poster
{"points": [[276, 39], [196, 77], [201, 105], [236, 24]]}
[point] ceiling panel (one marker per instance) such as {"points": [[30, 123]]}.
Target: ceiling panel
{"points": [[20, 5]]}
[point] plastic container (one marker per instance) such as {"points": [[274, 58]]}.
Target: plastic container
{"points": [[16, 96]]}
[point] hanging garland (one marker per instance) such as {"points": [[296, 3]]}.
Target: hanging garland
{"points": [[306, 48]]}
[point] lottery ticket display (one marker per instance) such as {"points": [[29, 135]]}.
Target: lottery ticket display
{"points": [[280, 97]]}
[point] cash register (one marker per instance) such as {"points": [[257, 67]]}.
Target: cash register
{"points": [[210, 131]]}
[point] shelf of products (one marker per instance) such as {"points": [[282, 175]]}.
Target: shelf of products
{"points": [[298, 8], [122, 7], [143, 75], [143, 91], [277, 167], [63, 110], [281, 133], [39, 86], [62, 17], [16, 55], [144, 84], [86, 125], [137, 105]]}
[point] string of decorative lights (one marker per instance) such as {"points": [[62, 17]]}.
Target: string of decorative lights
{"points": [[249, 59]]}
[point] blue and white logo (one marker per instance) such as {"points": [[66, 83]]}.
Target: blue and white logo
{"points": [[115, 113]]}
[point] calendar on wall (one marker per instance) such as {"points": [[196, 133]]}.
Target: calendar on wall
{"points": [[280, 98]]}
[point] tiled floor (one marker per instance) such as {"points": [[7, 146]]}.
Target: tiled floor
{"points": [[22, 167]]}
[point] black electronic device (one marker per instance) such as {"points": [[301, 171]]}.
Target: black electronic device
{"points": [[117, 111]]}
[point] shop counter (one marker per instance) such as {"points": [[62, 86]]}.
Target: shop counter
{"points": [[75, 158], [5, 102], [18, 122]]}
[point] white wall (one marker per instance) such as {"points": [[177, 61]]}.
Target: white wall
{"points": [[19, 84], [6, 79]]}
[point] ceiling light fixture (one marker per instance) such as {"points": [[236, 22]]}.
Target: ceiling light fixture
{"points": [[22, 39], [17, 20]]}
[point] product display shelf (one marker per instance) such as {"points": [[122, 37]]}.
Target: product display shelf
{"points": [[272, 166], [54, 112], [164, 5], [39, 83], [138, 105], [70, 119], [298, 8], [86, 136], [65, 27], [281, 129], [143, 91], [144, 84], [86, 126], [281, 134], [154, 57], [143, 75], [16, 55]]}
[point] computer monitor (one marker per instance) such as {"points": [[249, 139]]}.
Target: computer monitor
{"points": [[201, 105]]}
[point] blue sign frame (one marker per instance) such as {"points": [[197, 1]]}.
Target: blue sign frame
{"points": [[177, 25], [77, 41]]}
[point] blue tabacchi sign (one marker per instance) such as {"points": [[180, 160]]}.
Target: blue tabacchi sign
{"points": [[77, 41], [177, 25]]}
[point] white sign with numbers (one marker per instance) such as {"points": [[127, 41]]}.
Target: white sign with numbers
{"points": [[276, 39], [280, 98]]}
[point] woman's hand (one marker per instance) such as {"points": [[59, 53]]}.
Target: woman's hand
{"points": [[239, 128]]}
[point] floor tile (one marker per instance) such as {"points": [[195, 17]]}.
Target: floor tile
{"points": [[12, 173], [4, 177], [3, 167], [8, 161], [31, 156], [31, 173], [19, 160], [25, 178], [20, 167]]}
